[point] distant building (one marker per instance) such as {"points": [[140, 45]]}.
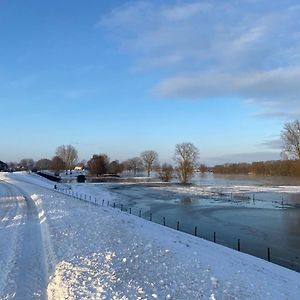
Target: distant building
{"points": [[79, 168], [3, 166]]}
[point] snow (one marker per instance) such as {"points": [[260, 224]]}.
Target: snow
{"points": [[235, 189], [97, 252]]}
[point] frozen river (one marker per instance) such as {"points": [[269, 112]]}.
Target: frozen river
{"points": [[262, 212]]}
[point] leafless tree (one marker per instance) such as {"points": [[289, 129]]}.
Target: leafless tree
{"points": [[149, 159], [115, 167], [27, 164], [186, 157], [98, 164], [203, 168], [134, 165], [291, 139], [166, 172], [57, 164], [43, 164], [68, 154]]}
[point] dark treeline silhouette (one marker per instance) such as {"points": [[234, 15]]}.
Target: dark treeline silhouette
{"points": [[268, 168]]}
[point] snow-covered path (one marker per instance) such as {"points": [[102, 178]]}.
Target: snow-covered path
{"points": [[95, 252], [23, 260]]}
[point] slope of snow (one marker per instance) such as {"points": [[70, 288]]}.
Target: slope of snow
{"points": [[97, 252]]}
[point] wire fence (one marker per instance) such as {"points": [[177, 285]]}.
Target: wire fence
{"points": [[268, 253]]}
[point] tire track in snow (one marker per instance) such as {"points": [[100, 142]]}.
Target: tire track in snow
{"points": [[12, 208], [28, 277]]}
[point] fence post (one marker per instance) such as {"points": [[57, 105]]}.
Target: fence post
{"points": [[150, 217], [239, 245], [195, 232], [164, 221], [214, 236], [107, 203], [90, 198], [121, 207], [269, 257], [130, 210], [84, 196], [140, 213], [102, 202], [95, 200], [177, 225]]}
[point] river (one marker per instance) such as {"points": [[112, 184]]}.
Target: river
{"points": [[260, 212]]}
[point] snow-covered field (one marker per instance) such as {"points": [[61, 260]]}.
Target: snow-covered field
{"points": [[84, 251]]}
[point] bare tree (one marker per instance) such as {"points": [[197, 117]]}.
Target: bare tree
{"points": [[57, 164], [203, 168], [134, 165], [166, 172], [98, 164], [68, 154], [43, 164], [186, 157], [149, 159], [115, 167], [27, 164], [291, 139]]}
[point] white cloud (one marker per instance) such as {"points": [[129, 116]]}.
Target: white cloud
{"points": [[265, 85], [183, 11], [247, 49], [242, 157]]}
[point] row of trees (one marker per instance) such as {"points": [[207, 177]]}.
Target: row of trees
{"points": [[288, 166], [186, 157], [66, 158], [267, 168]]}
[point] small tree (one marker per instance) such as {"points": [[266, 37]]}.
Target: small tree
{"points": [[166, 172], [291, 139], [98, 164], [203, 168], [57, 164], [134, 165], [186, 157], [68, 154], [149, 159], [115, 167], [27, 163], [43, 164]]}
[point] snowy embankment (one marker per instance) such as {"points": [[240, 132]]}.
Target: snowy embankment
{"points": [[95, 252]]}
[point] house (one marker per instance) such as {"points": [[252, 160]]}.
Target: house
{"points": [[3, 166]]}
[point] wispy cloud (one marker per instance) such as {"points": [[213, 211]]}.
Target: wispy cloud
{"points": [[242, 157], [273, 144], [246, 49]]}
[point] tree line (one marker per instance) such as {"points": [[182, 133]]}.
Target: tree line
{"points": [[266, 168], [186, 157], [289, 165]]}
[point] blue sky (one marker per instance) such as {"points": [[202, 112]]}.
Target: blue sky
{"points": [[120, 77]]}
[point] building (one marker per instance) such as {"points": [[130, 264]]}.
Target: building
{"points": [[3, 166]]}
